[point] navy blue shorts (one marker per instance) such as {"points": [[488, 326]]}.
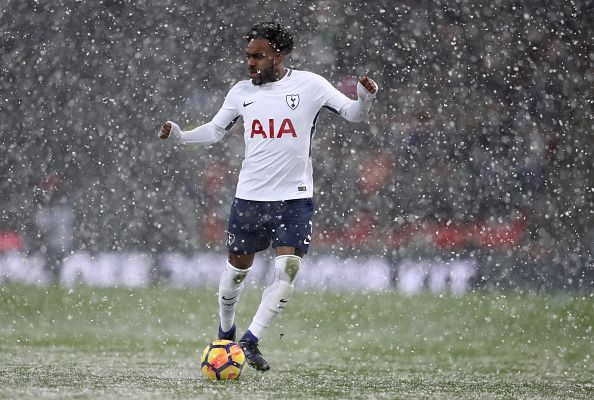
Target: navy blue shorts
{"points": [[253, 225]]}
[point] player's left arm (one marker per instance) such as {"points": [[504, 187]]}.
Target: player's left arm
{"points": [[354, 110]]}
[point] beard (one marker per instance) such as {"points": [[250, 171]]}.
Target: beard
{"points": [[264, 76]]}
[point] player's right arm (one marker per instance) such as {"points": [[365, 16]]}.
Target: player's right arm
{"points": [[204, 134], [212, 131]]}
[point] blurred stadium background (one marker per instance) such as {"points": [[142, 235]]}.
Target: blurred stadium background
{"points": [[478, 150]]}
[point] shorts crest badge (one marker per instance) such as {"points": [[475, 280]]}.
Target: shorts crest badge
{"points": [[230, 238]]}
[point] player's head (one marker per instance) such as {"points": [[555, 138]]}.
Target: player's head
{"points": [[268, 44], [279, 38]]}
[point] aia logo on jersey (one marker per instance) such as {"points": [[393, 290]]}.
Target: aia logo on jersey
{"points": [[286, 128], [292, 101]]}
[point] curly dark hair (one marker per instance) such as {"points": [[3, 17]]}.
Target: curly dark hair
{"points": [[278, 37]]}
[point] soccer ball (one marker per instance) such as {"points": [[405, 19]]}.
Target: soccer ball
{"points": [[222, 359]]}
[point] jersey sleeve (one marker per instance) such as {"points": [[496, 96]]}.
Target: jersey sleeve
{"points": [[228, 114], [351, 110], [332, 98], [217, 128]]}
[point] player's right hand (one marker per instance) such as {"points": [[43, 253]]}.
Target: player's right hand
{"points": [[165, 130]]}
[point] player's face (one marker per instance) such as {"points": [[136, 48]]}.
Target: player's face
{"points": [[261, 60]]}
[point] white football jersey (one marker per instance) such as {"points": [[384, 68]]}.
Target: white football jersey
{"points": [[279, 120]]}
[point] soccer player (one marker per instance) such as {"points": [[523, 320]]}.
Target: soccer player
{"points": [[273, 203]]}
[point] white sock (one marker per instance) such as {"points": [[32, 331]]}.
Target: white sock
{"points": [[277, 294], [230, 288]]}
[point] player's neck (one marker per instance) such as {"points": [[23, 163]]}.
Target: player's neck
{"points": [[280, 74]]}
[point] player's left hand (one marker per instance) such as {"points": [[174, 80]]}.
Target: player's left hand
{"points": [[368, 84]]}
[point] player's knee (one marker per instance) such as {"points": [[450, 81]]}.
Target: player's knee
{"points": [[232, 277], [241, 261], [287, 266]]}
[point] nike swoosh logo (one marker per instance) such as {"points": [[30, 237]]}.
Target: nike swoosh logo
{"points": [[247, 104], [228, 298], [281, 304]]}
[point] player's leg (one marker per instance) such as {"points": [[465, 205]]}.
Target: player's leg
{"points": [[278, 293], [274, 299], [292, 234], [243, 241], [231, 284]]}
